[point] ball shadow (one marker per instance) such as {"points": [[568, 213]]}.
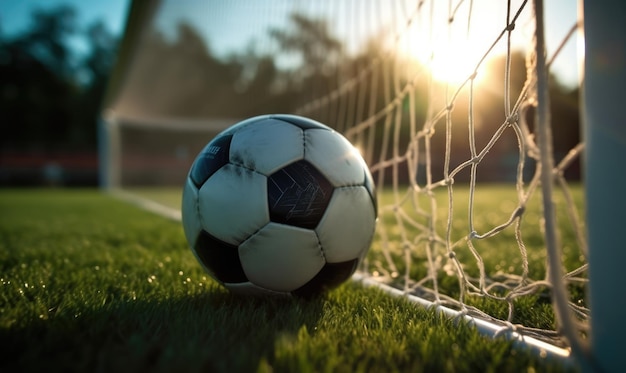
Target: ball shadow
{"points": [[212, 331]]}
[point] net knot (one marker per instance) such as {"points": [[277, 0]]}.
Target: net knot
{"points": [[512, 119], [451, 255], [508, 329], [510, 27]]}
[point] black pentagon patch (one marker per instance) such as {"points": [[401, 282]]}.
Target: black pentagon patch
{"points": [[330, 276], [301, 122], [221, 258], [298, 195], [210, 159]]}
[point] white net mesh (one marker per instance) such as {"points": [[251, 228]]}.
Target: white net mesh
{"points": [[441, 98], [436, 239]]}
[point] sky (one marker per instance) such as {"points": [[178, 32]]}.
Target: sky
{"points": [[15, 15], [230, 28]]}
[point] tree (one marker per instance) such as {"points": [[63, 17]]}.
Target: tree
{"points": [[50, 96], [317, 49], [38, 92]]}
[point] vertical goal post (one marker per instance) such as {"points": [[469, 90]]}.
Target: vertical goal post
{"points": [[604, 85]]}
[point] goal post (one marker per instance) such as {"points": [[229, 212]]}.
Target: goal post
{"points": [[139, 14], [604, 85]]}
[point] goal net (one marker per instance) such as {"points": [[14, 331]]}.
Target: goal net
{"points": [[466, 112]]}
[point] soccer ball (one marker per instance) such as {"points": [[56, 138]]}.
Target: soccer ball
{"points": [[279, 204]]}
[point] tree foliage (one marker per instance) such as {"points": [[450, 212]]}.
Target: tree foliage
{"points": [[50, 95]]}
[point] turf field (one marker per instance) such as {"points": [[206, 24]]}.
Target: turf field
{"points": [[91, 283]]}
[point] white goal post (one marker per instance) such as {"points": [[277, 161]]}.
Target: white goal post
{"points": [[605, 137], [434, 140]]}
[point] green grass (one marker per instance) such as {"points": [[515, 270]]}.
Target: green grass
{"points": [[90, 283]]}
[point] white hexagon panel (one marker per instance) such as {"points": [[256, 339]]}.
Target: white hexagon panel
{"points": [[328, 147], [347, 228], [255, 147], [232, 203], [281, 257]]}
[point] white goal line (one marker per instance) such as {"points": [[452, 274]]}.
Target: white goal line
{"points": [[148, 204]]}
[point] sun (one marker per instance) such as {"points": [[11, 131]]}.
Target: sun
{"points": [[454, 63], [455, 52], [451, 61]]}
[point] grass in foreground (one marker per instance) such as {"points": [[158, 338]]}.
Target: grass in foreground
{"points": [[89, 283], [493, 206]]}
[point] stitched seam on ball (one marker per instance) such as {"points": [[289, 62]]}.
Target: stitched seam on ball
{"points": [[351, 186], [236, 164], [319, 245], [198, 214], [303, 144]]}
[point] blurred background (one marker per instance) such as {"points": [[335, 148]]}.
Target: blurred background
{"points": [[55, 60], [195, 60]]}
